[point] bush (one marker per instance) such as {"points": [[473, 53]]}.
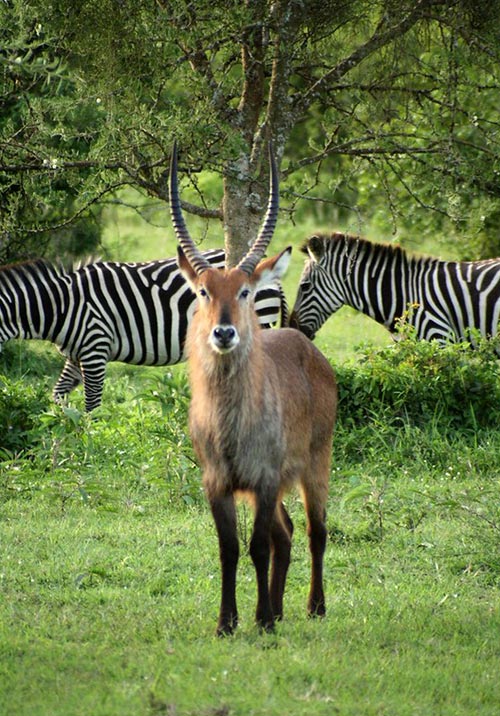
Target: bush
{"points": [[20, 405], [415, 382]]}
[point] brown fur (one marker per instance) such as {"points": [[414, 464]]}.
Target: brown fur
{"points": [[261, 419]]}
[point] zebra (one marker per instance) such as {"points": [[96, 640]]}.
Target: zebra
{"points": [[441, 300], [106, 311]]}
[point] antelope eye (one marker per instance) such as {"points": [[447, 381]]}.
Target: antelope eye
{"points": [[203, 292], [245, 293]]}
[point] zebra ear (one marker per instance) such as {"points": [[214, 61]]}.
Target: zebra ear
{"points": [[315, 247]]}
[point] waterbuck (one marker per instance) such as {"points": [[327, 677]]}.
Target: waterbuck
{"points": [[261, 416]]}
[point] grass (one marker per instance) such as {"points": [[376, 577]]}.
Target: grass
{"points": [[110, 577], [112, 612], [109, 569]]}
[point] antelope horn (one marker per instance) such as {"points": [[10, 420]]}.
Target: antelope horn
{"points": [[193, 255], [249, 262]]}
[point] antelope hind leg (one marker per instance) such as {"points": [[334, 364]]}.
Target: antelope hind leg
{"points": [[281, 539]]}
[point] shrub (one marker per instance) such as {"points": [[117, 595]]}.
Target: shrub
{"points": [[20, 405], [416, 382]]}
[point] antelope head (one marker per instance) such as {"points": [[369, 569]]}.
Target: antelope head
{"points": [[225, 298]]}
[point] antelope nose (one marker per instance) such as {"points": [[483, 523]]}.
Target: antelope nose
{"points": [[224, 337]]}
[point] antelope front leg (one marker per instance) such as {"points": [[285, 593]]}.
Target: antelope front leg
{"points": [[224, 514], [260, 548]]}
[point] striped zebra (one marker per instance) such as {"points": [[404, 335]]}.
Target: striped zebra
{"points": [[442, 300], [134, 313]]}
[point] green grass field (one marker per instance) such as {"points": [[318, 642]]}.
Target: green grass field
{"points": [[109, 574]]}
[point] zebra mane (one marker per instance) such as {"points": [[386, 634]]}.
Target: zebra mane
{"points": [[34, 265], [352, 242], [56, 268], [82, 263], [361, 244]]}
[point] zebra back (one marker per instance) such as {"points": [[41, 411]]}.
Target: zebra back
{"points": [[442, 300], [105, 311], [33, 300]]}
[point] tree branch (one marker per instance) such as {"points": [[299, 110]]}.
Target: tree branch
{"points": [[382, 36], [253, 48], [158, 189]]}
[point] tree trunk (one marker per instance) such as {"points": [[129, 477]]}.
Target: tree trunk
{"points": [[246, 189], [243, 207]]}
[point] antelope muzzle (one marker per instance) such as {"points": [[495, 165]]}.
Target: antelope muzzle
{"points": [[224, 338]]}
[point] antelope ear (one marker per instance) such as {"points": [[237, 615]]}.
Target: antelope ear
{"points": [[272, 269], [186, 269]]}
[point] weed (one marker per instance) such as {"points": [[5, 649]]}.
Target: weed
{"points": [[20, 403]]}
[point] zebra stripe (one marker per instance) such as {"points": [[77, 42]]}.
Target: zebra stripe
{"points": [[442, 300], [134, 313]]}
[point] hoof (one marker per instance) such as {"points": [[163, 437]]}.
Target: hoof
{"points": [[316, 610], [267, 627], [226, 628]]}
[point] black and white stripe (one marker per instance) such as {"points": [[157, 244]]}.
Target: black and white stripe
{"points": [[442, 300], [106, 311]]}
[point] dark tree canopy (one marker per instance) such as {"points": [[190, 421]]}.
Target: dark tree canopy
{"points": [[371, 106]]}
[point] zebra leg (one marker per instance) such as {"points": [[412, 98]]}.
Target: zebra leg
{"points": [[93, 382], [69, 379]]}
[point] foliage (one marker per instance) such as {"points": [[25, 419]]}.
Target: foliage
{"points": [[19, 407], [420, 383], [58, 452], [42, 121], [373, 107]]}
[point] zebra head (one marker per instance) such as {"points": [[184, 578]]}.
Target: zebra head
{"points": [[320, 291]]}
